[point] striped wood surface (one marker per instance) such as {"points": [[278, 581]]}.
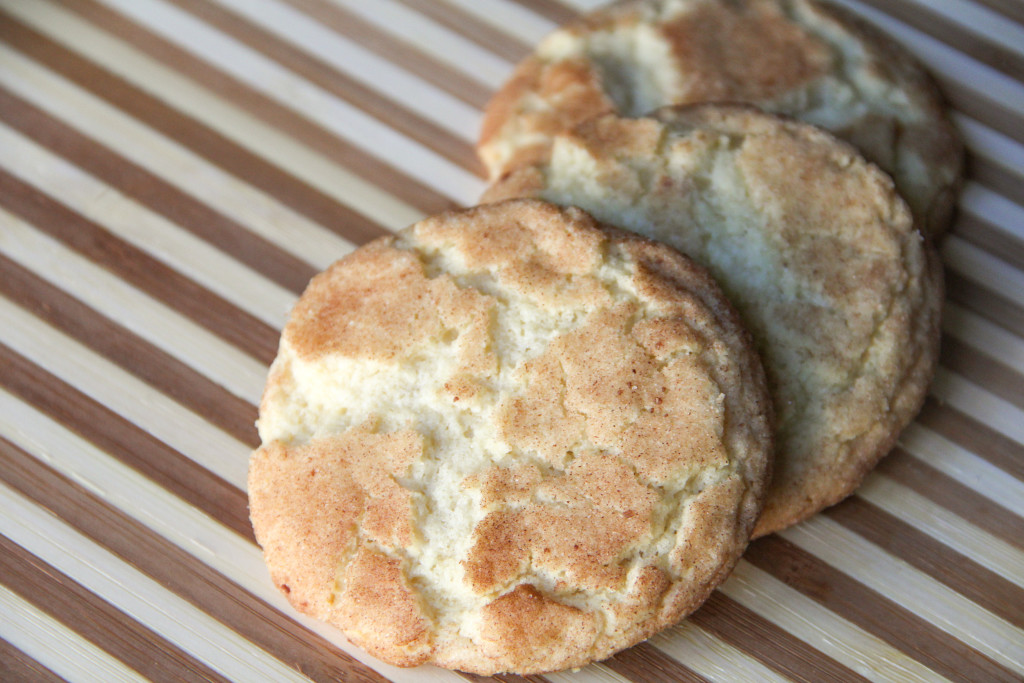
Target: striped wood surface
{"points": [[171, 174]]}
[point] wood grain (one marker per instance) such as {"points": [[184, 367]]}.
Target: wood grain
{"points": [[103, 396]]}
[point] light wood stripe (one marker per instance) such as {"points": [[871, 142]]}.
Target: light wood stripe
{"points": [[459, 21], [149, 233], [367, 26], [871, 611], [946, 62], [61, 651], [710, 657], [985, 302], [984, 268], [946, 491], [115, 133], [556, 11], [945, 527], [482, 66], [996, 177], [382, 88], [104, 474], [73, 152], [974, 437], [136, 401], [989, 237], [134, 593], [644, 662], [978, 367], [138, 268], [980, 404], [983, 336], [308, 110], [510, 17], [155, 367], [360, 174], [972, 466], [125, 441], [821, 628], [1000, 213], [778, 650], [982, 106], [63, 599], [309, 183], [149, 319], [15, 665], [979, 20], [916, 592], [1011, 9], [955, 570], [998, 46], [348, 108], [990, 144]]}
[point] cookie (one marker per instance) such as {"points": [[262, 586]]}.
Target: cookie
{"points": [[509, 439], [813, 246], [801, 58]]}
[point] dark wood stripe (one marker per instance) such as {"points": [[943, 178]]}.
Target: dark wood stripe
{"points": [[96, 620], [468, 26], [987, 303], [1011, 9], [957, 571], [1007, 181], [138, 268], [16, 666], [161, 197], [987, 236], [930, 22], [203, 141], [774, 647], [975, 436], [396, 50], [555, 11], [386, 110], [124, 441], [645, 663], [985, 371], [373, 170], [873, 612], [112, 341], [180, 572], [982, 106], [922, 478]]}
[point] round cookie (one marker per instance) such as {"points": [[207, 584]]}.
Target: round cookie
{"points": [[812, 245], [805, 59], [509, 439]]}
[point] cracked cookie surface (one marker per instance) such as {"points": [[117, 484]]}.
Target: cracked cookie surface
{"points": [[812, 245], [509, 439], [802, 58]]}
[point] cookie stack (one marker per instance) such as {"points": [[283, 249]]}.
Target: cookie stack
{"points": [[526, 435]]}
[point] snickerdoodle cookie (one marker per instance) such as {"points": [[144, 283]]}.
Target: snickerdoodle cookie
{"points": [[801, 58], [509, 439], [813, 246]]}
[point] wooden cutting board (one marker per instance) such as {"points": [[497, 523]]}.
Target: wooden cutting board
{"points": [[172, 172]]}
